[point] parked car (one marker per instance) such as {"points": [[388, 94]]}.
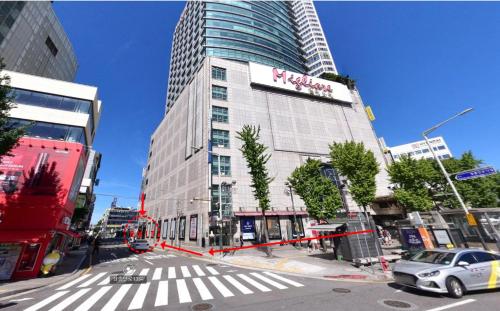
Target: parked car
{"points": [[140, 245], [451, 271]]}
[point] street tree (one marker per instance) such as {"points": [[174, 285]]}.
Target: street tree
{"points": [[256, 157], [9, 134], [320, 195]]}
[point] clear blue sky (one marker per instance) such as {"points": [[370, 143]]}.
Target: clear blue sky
{"points": [[415, 63]]}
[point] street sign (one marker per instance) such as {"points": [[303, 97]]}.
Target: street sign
{"points": [[475, 173], [471, 220]]}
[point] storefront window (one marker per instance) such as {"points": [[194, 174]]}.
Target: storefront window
{"points": [[297, 227], [273, 228], [182, 228]]}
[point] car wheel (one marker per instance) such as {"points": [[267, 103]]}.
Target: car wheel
{"points": [[454, 287]]}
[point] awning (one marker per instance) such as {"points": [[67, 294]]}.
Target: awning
{"points": [[70, 233], [271, 213], [325, 227], [23, 236]]}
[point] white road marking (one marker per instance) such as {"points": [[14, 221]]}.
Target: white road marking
{"points": [[268, 281], [157, 274], [93, 299], [139, 297], [185, 272], [456, 304], [46, 301], [92, 280], [68, 285], [144, 271], [254, 283], [198, 270], [66, 302], [202, 289], [242, 288], [117, 298], [162, 294], [183, 291], [20, 299], [149, 262], [220, 287], [279, 277], [105, 281], [171, 272], [213, 271]]}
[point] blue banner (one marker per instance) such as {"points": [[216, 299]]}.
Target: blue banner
{"points": [[412, 239], [248, 228], [209, 151]]}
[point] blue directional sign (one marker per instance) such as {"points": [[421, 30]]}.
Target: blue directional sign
{"points": [[475, 173]]}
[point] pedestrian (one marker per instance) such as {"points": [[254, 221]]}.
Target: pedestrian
{"points": [[97, 244], [241, 240]]}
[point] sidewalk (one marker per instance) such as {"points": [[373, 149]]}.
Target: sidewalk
{"points": [[66, 269]]}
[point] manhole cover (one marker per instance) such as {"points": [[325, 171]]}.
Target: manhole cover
{"points": [[341, 290], [202, 307], [397, 304]]}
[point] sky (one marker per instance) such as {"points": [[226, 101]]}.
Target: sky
{"points": [[415, 63]]}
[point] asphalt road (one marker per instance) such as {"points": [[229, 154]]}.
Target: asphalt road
{"points": [[175, 282]]}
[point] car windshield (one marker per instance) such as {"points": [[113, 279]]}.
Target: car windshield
{"points": [[440, 258]]}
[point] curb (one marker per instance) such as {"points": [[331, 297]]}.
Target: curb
{"points": [[18, 292]]}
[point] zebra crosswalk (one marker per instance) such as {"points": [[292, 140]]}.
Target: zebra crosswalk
{"points": [[198, 283]]}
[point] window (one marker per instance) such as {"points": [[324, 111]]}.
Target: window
{"points": [[220, 138], [51, 131], [467, 258], [52, 47], [441, 147], [225, 167], [273, 228], [219, 92], [225, 199], [219, 73], [483, 256], [220, 114], [446, 156], [425, 150]]}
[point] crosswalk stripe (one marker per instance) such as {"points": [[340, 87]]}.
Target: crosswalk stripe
{"points": [[162, 294], [202, 289], [242, 288], [139, 297], [68, 285], [66, 302], [220, 287], [93, 299], [268, 281], [105, 281], [183, 292], [144, 271], [254, 283], [213, 271], [279, 277], [171, 272], [185, 272], [198, 270], [117, 298], [157, 274], [92, 280], [46, 301]]}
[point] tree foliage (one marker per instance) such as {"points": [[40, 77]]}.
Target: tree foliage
{"points": [[9, 135], [359, 166], [320, 195]]}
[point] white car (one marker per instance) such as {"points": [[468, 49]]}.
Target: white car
{"points": [[140, 245]]}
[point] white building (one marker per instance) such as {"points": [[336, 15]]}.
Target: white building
{"points": [[420, 150]]}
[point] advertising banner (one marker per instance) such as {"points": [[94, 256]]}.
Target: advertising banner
{"points": [[248, 228], [426, 238], [442, 237], [193, 227], [412, 239]]}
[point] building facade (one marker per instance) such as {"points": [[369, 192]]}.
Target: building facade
{"points": [[298, 118], [420, 149], [319, 59], [86, 197], [115, 219], [263, 32], [33, 41], [40, 182]]}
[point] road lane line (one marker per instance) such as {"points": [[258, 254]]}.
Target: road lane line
{"points": [[254, 283], [66, 302], [68, 285], [198, 270], [139, 297], [46, 301], [105, 281], [242, 288], [213, 271], [149, 262], [144, 271], [185, 272], [220, 287], [92, 280], [171, 273], [279, 277], [117, 298], [268, 281], [162, 294], [93, 299], [157, 274], [183, 292], [452, 305], [202, 289]]}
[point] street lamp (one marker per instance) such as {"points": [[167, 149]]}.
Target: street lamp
{"points": [[441, 166], [295, 223]]}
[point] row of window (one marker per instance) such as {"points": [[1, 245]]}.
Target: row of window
{"points": [[50, 131]]}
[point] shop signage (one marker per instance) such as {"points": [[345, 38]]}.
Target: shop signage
{"points": [[193, 227], [442, 237], [297, 82], [412, 239], [475, 173], [248, 228]]}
